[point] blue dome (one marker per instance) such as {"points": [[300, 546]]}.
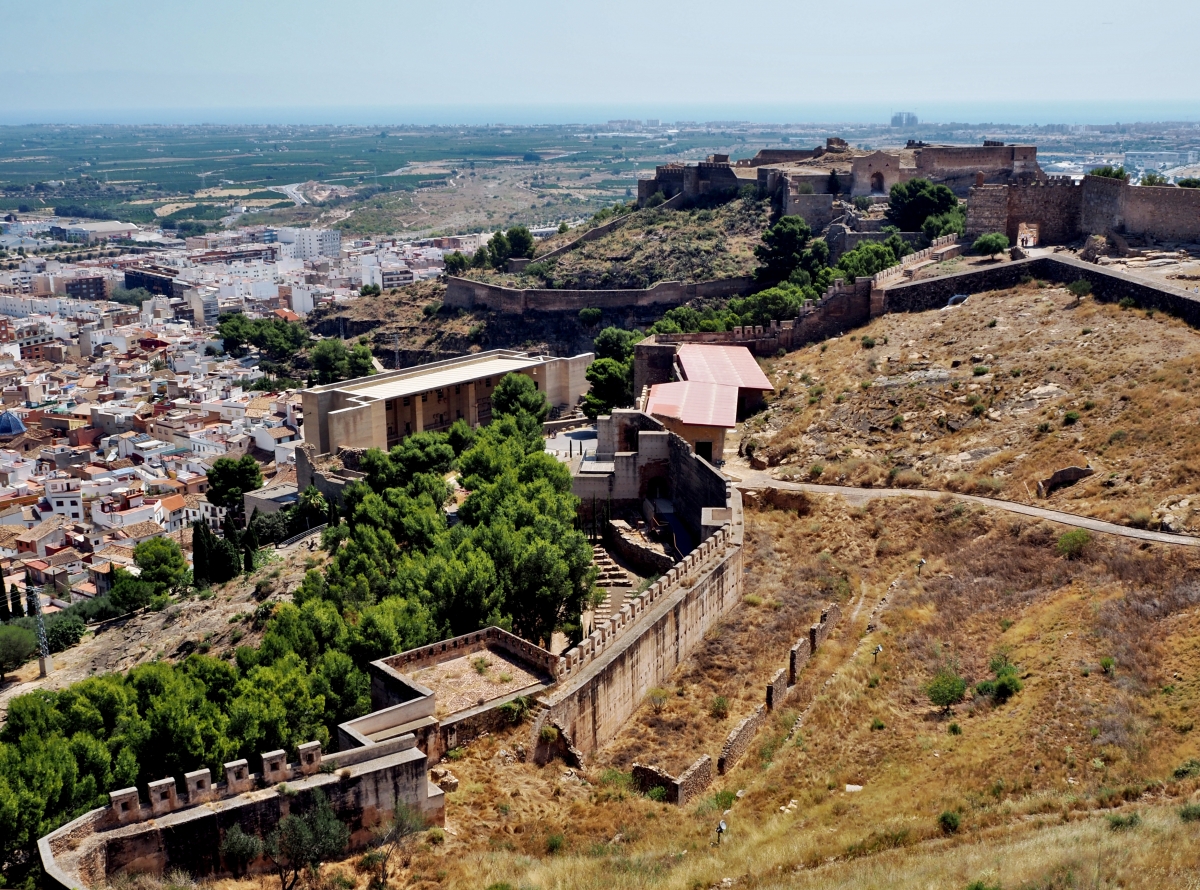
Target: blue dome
{"points": [[10, 424]]}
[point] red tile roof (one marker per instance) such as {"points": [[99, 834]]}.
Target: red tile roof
{"points": [[728, 365], [698, 404]]}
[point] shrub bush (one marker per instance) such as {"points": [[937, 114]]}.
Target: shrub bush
{"points": [[1127, 302], [719, 708], [949, 821], [991, 244], [1071, 418], [868, 342], [657, 698], [877, 724], [1190, 812], [1080, 288], [980, 370], [658, 794], [1117, 822], [955, 729], [555, 842], [590, 316], [946, 688], [1073, 543], [1107, 665]]}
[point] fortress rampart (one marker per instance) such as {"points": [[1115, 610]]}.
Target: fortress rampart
{"points": [[465, 293]]}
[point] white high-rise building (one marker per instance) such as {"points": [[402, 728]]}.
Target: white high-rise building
{"points": [[311, 243]]}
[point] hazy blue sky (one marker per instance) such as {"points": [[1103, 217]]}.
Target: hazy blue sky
{"points": [[554, 60]]}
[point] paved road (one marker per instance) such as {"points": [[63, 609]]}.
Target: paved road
{"points": [[758, 479]]}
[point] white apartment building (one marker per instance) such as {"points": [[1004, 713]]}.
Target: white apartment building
{"points": [[309, 244]]}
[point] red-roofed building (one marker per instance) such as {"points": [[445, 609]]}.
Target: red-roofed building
{"points": [[697, 412], [726, 366]]}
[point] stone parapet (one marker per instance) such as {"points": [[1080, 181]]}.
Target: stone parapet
{"points": [[739, 740]]}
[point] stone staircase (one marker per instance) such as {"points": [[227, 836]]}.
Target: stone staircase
{"points": [[611, 578]]}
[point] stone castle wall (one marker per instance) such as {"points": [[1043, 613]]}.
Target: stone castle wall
{"points": [[465, 293], [363, 787], [1065, 210]]}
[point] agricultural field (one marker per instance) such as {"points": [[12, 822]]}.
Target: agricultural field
{"points": [[363, 180]]}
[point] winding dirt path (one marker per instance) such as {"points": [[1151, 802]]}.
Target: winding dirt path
{"points": [[751, 479]]}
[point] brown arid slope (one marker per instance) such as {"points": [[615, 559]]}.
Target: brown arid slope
{"points": [[1034, 780], [991, 397], [657, 244]]}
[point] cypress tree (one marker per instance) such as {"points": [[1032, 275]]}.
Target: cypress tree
{"points": [[14, 599], [200, 553], [5, 611]]}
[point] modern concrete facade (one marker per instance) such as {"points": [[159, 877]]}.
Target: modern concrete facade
{"points": [[379, 411]]}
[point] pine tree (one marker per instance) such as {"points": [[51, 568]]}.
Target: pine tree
{"points": [[14, 598]]}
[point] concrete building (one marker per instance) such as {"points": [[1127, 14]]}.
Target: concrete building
{"points": [[309, 244], [379, 411], [90, 232]]}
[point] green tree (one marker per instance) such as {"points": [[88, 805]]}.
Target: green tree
{"points": [[865, 260], [1150, 177], [370, 290], [612, 387], [482, 258], [456, 263], [393, 837], [229, 479], [991, 244], [520, 242], [128, 592], [1189, 182], [161, 562], [5, 611], [498, 250], [616, 343], [16, 646], [239, 849], [312, 506], [911, 203], [834, 186], [359, 362], [1110, 172], [946, 688], [330, 360], [518, 393], [782, 250], [563, 228], [303, 841]]}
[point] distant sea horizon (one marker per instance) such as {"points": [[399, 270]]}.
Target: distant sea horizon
{"points": [[819, 114]]}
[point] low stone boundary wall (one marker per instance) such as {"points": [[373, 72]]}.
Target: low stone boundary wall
{"points": [[929, 253], [798, 657], [777, 689], [739, 739], [691, 783]]}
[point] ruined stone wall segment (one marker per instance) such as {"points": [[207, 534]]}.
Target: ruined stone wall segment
{"points": [[739, 740], [777, 689], [694, 780], [797, 658]]}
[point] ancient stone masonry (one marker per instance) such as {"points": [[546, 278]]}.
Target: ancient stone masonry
{"points": [[739, 740], [363, 788], [466, 293], [777, 689], [1058, 210], [690, 784]]}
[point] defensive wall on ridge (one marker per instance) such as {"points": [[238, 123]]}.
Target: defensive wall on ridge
{"points": [[464, 293]]}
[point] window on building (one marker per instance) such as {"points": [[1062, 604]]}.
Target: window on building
{"points": [[424, 397]]}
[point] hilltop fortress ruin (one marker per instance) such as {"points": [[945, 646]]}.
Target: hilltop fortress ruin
{"points": [[1005, 188]]}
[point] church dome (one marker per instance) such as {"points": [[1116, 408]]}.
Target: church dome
{"points": [[10, 424]]}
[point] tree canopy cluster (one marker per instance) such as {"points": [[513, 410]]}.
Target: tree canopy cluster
{"points": [[911, 204], [279, 340], [402, 575], [332, 361], [516, 243], [611, 374]]}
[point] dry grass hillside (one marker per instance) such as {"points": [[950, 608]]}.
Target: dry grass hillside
{"points": [[696, 244], [1044, 785], [992, 396]]}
